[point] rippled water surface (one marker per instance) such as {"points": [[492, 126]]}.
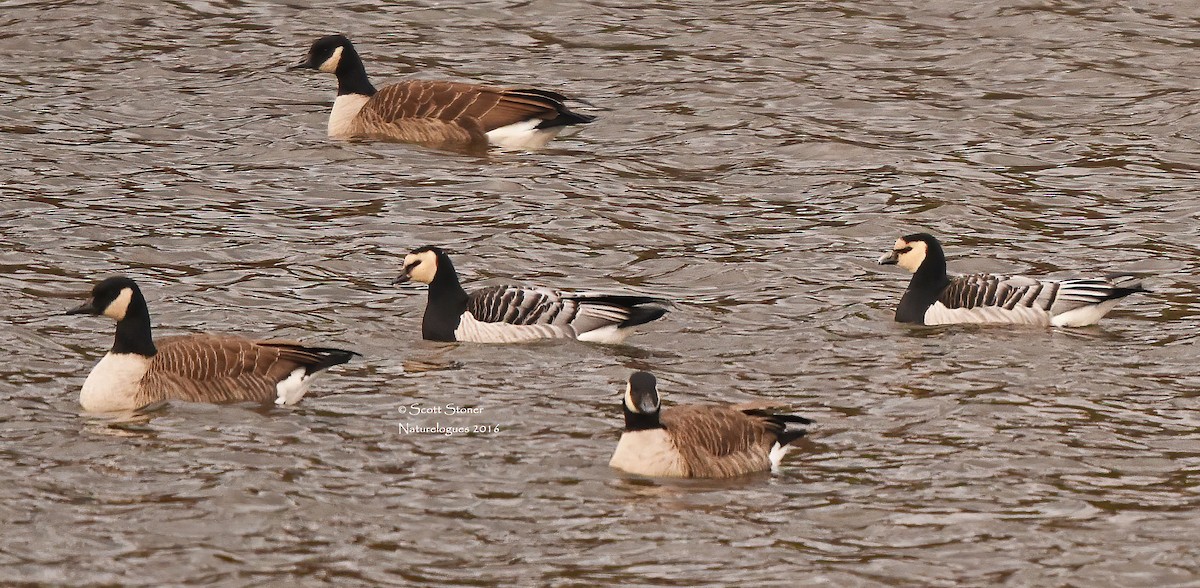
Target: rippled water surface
{"points": [[751, 161]]}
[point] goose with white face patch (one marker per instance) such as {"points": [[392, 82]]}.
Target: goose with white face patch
{"points": [[139, 371], [435, 113], [934, 297], [511, 314], [700, 441]]}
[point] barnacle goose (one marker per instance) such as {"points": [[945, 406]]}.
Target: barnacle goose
{"points": [[508, 314], [935, 298]]}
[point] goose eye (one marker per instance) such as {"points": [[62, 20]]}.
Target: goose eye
{"points": [[905, 250]]}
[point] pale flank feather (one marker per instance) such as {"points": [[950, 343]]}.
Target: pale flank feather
{"points": [[648, 453]]}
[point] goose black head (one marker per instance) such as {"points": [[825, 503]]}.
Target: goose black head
{"points": [[910, 251], [641, 394], [326, 54], [422, 265], [111, 298]]}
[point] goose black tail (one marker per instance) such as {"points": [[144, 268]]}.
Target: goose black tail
{"points": [[789, 425], [1124, 285], [565, 117], [330, 357]]}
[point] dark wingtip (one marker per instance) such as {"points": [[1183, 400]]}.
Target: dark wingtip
{"points": [[640, 315], [786, 437], [790, 434], [331, 358]]}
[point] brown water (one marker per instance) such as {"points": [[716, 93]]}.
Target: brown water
{"points": [[751, 161]]}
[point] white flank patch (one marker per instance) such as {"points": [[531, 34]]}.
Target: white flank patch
{"points": [[1084, 316], [610, 334], [777, 453], [647, 453], [472, 330], [113, 383], [938, 314], [291, 389], [522, 135], [341, 118]]}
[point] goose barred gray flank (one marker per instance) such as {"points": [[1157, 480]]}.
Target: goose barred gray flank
{"points": [[699, 441], [435, 113], [509, 314], [196, 368], [934, 297]]}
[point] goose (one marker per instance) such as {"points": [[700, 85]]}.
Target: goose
{"points": [[436, 113], [700, 441], [513, 313], [139, 371], [935, 298]]}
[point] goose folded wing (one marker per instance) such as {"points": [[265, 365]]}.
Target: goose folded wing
{"points": [[992, 291], [520, 305], [718, 440], [481, 107], [223, 369], [1077, 293]]}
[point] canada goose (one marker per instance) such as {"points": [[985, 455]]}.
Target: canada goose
{"points": [[435, 113], [935, 298], [194, 368], [509, 314], [700, 441]]}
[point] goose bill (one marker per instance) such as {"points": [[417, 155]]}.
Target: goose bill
{"points": [[85, 308]]}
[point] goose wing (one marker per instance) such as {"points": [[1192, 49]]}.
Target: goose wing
{"points": [[1017, 292], [583, 312], [475, 107], [718, 441], [522, 305], [988, 290], [214, 368], [1077, 293]]}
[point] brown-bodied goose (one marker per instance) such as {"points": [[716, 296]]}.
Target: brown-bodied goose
{"points": [[435, 113], [700, 441], [934, 297], [510, 314], [138, 371]]}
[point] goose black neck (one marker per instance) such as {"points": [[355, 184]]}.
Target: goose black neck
{"points": [[352, 75], [133, 331], [932, 272], [640, 421], [447, 303], [925, 288]]}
